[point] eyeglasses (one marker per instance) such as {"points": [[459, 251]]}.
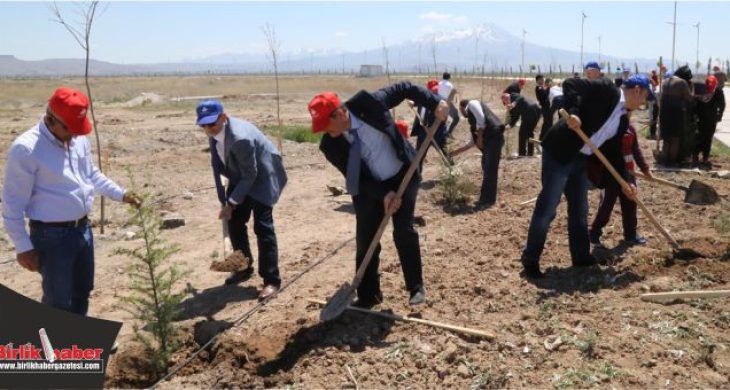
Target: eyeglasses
{"points": [[55, 119]]}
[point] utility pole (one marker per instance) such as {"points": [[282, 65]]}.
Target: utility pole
{"points": [[697, 60], [674, 32], [523, 48], [582, 25]]}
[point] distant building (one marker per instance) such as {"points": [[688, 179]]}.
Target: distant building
{"points": [[371, 70]]}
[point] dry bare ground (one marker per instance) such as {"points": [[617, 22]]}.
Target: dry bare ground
{"points": [[608, 337]]}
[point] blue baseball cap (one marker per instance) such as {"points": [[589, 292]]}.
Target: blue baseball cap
{"points": [[642, 81], [592, 65], [208, 111]]}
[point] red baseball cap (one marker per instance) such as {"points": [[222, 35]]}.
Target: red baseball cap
{"points": [[433, 85], [402, 127], [320, 108], [711, 83], [70, 106], [521, 81]]}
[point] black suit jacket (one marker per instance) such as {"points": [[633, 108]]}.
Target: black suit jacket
{"points": [[593, 102], [374, 109]]}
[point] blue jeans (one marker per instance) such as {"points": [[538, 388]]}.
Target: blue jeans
{"points": [[572, 180], [66, 257]]}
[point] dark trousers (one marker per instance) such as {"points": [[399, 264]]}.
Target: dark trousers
{"points": [[704, 139], [547, 120], [439, 137], [66, 256], [369, 213], [490, 168], [527, 131], [671, 150], [608, 200], [263, 227], [454, 114], [653, 116], [558, 179]]}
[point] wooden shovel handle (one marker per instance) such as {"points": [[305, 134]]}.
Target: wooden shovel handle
{"points": [[661, 181], [666, 296], [620, 181], [401, 189]]}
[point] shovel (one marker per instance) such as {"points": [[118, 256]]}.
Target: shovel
{"points": [[697, 193], [681, 253], [342, 298]]}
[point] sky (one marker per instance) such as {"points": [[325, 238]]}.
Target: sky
{"points": [[150, 32]]}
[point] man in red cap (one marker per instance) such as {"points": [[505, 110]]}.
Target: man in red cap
{"points": [[50, 178], [362, 142], [709, 108]]}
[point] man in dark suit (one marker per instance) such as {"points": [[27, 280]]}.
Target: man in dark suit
{"points": [[542, 93], [242, 153], [529, 112], [362, 142], [599, 108]]}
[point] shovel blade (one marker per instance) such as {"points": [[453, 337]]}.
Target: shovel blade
{"points": [[700, 193], [337, 304]]}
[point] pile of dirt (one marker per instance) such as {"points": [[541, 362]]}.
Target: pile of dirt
{"points": [[236, 261]]}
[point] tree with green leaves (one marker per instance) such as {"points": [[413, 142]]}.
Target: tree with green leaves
{"points": [[153, 301]]}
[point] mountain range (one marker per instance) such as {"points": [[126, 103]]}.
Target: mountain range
{"points": [[484, 46]]}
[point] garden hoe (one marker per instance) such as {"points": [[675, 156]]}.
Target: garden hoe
{"points": [[697, 193], [338, 303], [680, 253], [444, 158]]}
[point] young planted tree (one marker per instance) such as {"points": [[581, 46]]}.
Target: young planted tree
{"points": [[274, 47], [82, 34], [152, 301]]}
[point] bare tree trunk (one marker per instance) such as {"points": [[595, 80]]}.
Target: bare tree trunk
{"points": [[274, 47], [83, 39]]}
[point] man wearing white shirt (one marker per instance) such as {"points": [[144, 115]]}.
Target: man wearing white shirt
{"points": [[50, 178], [487, 133], [447, 92]]}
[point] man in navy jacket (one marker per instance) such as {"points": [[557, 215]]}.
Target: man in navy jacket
{"points": [[362, 142], [599, 108]]}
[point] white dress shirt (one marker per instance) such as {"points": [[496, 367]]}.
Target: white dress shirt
{"points": [[48, 181], [376, 149]]}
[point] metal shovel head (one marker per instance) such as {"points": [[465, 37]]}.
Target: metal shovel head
{"points": [[701, 194], [337, 304]]}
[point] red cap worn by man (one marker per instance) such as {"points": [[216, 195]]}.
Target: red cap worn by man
{"points": [[70, 106], [320, 109]]}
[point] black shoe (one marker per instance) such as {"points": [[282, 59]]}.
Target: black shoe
{"points": [[587, 262], [595, 239], [636, 240], [481, 206], [531, 272], [418, 296], [239, 276], [367, 303]]}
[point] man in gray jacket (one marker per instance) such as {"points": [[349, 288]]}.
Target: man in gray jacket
{"points": [[253, 166]]}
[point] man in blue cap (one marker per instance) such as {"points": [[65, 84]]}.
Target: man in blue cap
{"points": [[242, 153], [600, 109], [592, 70]]}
